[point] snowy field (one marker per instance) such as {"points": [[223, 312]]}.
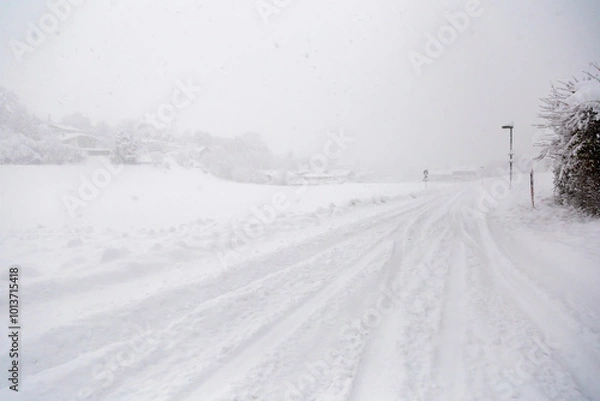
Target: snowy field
{"points": [[174, 285]]}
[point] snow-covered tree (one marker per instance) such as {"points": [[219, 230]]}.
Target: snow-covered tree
{"points": [[9, 104], [571, 116], [14, 117], [127, 149]]}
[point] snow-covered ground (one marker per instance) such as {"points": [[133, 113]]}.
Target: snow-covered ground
{"points": [[173, 285]]}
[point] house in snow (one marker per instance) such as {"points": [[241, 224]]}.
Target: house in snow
{"points": [[90, 144], [465, 173], [440, 175], [454, 174], [322, 178]]}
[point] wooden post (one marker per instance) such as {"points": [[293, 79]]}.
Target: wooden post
{"points": [[531, 188]]}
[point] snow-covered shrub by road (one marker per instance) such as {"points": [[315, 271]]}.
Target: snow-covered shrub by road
{"points": [[572, 115]]}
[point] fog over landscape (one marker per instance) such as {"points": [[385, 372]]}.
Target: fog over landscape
{"points": [[294, 74], [283, 200]]}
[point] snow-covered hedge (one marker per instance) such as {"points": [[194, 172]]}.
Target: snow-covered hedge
{"points": [[572, 116]]}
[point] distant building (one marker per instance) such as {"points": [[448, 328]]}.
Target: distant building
{"points": [[455, 174], [465, 173], [73, 136], [330, 177], [440, 175], [82, 140]]}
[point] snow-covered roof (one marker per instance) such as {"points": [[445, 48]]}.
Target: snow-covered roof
{"points": [[465, 170], [440, 172], [332, 174], [70, 135], [455, 170], [341, 172], [64, 128]]}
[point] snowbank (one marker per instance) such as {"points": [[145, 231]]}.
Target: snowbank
{"points": [[98, 217], [133, 197], [548, 219]]}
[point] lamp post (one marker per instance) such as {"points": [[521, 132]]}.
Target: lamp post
{"points": [[511, 154]]}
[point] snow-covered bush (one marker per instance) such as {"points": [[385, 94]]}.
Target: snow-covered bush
{"points": [[19, 149], [52, 151], [571, 114], [15, 150], [127, 149]]}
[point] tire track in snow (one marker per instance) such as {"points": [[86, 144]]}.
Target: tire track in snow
{"points": [[507, 356], [101, 329], [518, 318], [449, 364], [385, 222], [251, 355], [190, 281], [180, 298], [330, 357], [578, 311], [217, 315], [398, 359], [573, 348]]}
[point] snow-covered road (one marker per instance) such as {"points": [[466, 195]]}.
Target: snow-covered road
{"points": [[413, 299]]}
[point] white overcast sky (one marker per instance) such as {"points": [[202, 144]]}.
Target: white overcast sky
{"points": [[315, 67]]}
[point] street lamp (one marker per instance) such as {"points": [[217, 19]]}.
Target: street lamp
{"points": [[511, 154]]}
